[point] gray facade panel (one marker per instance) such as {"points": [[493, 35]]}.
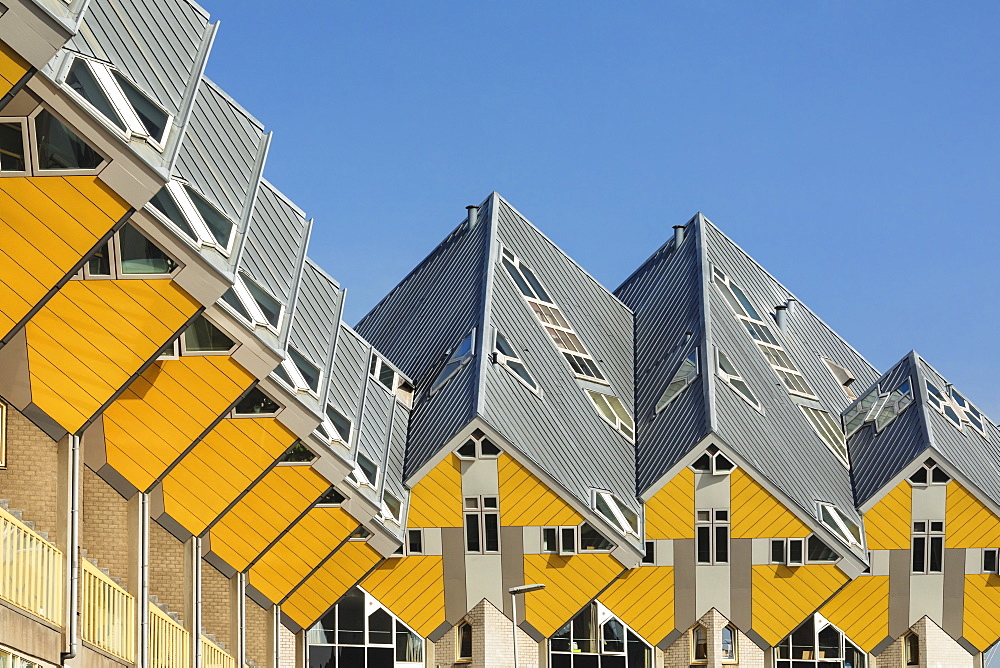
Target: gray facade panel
{"points": [[349, 371], [315, 321], [435, 420], [396, 451], [276, 239], [376, 419]]}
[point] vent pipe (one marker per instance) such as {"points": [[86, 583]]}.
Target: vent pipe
{"points": [[679, 231], [792, 301], [473, 214], [781, 316]]}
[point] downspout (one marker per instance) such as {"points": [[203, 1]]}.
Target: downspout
{"points": [[73, 548], [241, 620], [196, 652], [143, 594]]}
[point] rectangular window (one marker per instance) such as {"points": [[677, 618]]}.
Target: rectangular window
{"points": [[415, 541], [990, 560], [567, 540], [649, 557], [482, 524], [712, 536], [927, 549], [550, 539], [777, 550]]}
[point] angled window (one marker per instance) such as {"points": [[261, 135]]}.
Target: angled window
{"points": [[253, 303], [331, 497], [927, 548], [713, 461], [878, 408], [184, 207], [727, 372], [699, 644], [969, 413], [591, 540], [942, 404], [392, 508], [684, 376], [843, 376], [365, 472], [616, 512], [298, 454], [59, 148], [596, 637], [303, 374], [256, 404], [911, 649], [818, 644], [712, 536], [218, 225], [929, 473], [269, 307], [828, 429], [507, 356], [458, 357], [464, 643], [390, 379], [478, 447], [13, 147], [360, 632], [129, 254], [360, 534], [117, 99], [727, 648], [203, 338], [818, 552], [164, 203], [611, 409], [842, 527]]}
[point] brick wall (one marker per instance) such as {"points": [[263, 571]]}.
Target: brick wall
{"points": [[286, 647], [748, 655], [937, 649], [491, 642], [216, 605], [891, 656], [166, 568], [104, 529], [31, 480], [258, 642]]}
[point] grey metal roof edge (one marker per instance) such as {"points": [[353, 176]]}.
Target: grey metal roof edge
{"points": [[791, 294], [68, 23], [652, 256], [335, 341], [920, 396], [282, 196], [173, 149], [323, 273], [300, 264], [239, 108], [542, 235], [921, 360], [246, 217], [488, 276], [707, 340]]}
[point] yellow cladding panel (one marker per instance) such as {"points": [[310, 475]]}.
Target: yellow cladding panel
{"points": [[887, 524], [644, 599], [301, 550], [165, 409], [92, 336], [330, 581], [436, 501], [12, 68], [982, 610], [783, 597], [527, 501], [47, 225], [571, 583], [757, 514], [970, 523], [861, 610], [267, 510], [412, 588], [221, 467], [670, 513]]}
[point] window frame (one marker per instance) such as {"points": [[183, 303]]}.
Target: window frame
{"points": [[410, 533], [243, 416], [3, 435], [713, 453], [36, 169], [331, 432], [688, 378], [459, 656], [115, 262], [929, 466], [713, 524], [481, 511], [385, 509], [696, 630], [726, 378], [177, 191], [840, 528], [911, 649], [503, 360], [619, 518], [619, 422], [358, 475], [26, 146], [927, 553], [249, 303], [184, 352], [786, 547], [734, 635], [457, 363]]}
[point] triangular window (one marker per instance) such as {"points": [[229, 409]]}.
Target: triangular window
{"points": [[881, 409], [188, 210], [616, 512], [60, 149], [202, 337], [685, 375], [256, 404], [297, 454], [253, 303]]}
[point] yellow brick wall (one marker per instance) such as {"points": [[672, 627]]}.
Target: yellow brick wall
{"points": [[104, 528], [31, 480], [166, 568]]}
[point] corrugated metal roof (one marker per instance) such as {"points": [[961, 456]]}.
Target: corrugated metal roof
{"points": [[348, 374], [275, 244], [315, 323]]}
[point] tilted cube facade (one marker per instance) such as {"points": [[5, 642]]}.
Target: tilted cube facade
{"points": [[202, 465]]}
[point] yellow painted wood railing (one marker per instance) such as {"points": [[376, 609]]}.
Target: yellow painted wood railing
{"points": [[213, 656], [31, 570], [108, 614], [169, 644]]}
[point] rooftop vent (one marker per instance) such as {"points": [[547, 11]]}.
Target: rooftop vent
{"points": [[781, 316], [679, 231], [473, 214]]}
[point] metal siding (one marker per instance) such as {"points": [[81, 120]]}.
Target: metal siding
{"points": [[350, 368], [435, 420], [219, 151], [374, 424], [397, 452], [277, 234], [314, 323]]}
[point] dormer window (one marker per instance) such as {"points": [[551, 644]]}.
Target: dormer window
{"points": [[611, 409], [390, 379], [842, 527], [253, 303], [183, 206], [298, 372], [458, 358], [879, 408], [684, 376], [713, 461], [620, 515], [843, 376], [505, 355], [478, 446], [929, 473]]}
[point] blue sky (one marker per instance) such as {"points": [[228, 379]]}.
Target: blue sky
{"points": [[851, 148]]}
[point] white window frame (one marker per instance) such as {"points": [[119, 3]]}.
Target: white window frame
{"points": [[386, 510], [442, 380], [994, 554], [839, 527], [714, 453], [622, 426], [243, 416], [407, 544], [115, 264], [331, 433], [829, 430], [501, 359], [401, 389], [929, 466], [177, 191], [26, 146], [36, 169], [930, 536], [726, 378], [623, 524], [258, 319], [299, 383], [480, 511], [116, 96], [969, 414], [688, 378], [359, 477], [712, 523], [786, 553]]}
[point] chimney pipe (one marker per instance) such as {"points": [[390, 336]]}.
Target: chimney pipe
{"points": [[792, 301], [781, 316], [679, 235], [473, 214]]}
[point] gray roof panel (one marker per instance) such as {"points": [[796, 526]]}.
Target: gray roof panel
{"points": [[315, 322], [275, 244]]}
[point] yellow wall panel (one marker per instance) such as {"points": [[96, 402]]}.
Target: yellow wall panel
{"points": [[969, 522], [571, 583], [165, 409], [861, 610], [47, 225], [300, 550], [330, 581], [412, 588], [246, 530], [757, 514], [12, 68], [644, 599], [783, 597], [89, 339], [221, 466], [887, 523], [436, 500], [670, 512], [527, 501], [982, 610]]}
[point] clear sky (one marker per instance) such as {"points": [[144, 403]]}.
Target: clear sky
{"points": [[850, 147]]}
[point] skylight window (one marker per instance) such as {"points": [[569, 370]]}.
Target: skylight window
{"points": [[202, 337], [458, 358], [202, 222], [729, 375], [956, 408], [828, 429], [365, 472], [506, 356], [253, 303], [836, 521], [117, 99], [685, 375], [969, 413], [128, 254], [881, 409], [392, 508], [611, 409], [616, 512], [336, 425]]}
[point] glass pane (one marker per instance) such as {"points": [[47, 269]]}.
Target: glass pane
{"points": [[139, 255], [549, 543], [231, 298], [203, 336], [560, 640], [220, 226], [380, 657], [937, 475], [703, 463], [380, 628], [11, 147], [503, 347], [415, 541], [640, 655], [518, 279], [351, 656], [936, 554], [60, 148], [331, 497], [82, 81], [778, 551], [321, 656], [568, 540], [409, 646], [649, 556], [256, 403], [386, 375], [721, 545], [491, 525], [700, 642], [745, 302], [614, 636], [340, 423], [919, 546], [153, 118], [465, 641], [591, 539], [804, 641], [829, 643], [468, 449], [269, 306], [369, 468], [704, 547], [298, 453], [351, 619], [820, 551], [472, 532], [584, 633], [728, 644], [309, 371], [164, 202], [919, 476], [795, 551], [99, 263], [489, 449], [535, 285]]}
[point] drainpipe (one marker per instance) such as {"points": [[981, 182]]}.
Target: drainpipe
{"points": [[241, 619], [73, 549], [142, 659], [195, 592]]}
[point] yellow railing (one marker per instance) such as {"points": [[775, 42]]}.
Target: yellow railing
{"points": [[169, 645], [213, 656], [31, 570], [108, 614]]}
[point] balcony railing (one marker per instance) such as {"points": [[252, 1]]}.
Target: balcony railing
{"points": [[213, 656], [31, 570], [108, 614], [169, 644]]}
